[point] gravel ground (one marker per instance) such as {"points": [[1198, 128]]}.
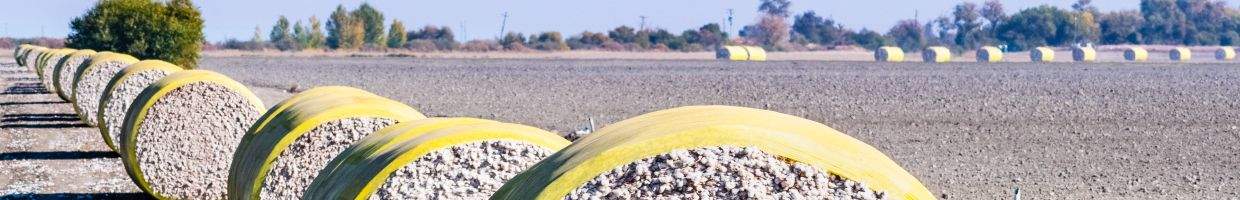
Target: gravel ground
{"points": [[45, 150], [967, 130]]}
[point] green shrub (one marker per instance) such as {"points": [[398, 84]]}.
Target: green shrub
{"points": [[166, 30]]}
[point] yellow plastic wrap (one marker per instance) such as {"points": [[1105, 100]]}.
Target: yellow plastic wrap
{"points": [[989, 54], [31, 56], [50, 66], [287, 121], [1181, 54], [88, 69], [936, 54], [1042, 54], [148, 97], [1084, 54], [1136, 54], [19, 54], [755, 53], [366, 165], [733, 53], [889, 54], [120, 78], [693, 127], [1225, 53], [70, 90]]}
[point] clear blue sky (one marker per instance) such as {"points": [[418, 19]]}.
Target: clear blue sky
{"points": [[481, 18]]}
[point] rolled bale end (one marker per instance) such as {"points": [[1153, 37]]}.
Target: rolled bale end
{"points": [[732, 53], [182, 131], [438, 158], [282, 154], [122, 90], [936, 54], [1042, 54], [1225, 53], [889, 54], [90, 80], [67, 75], [989, 54], [1136, 54], [755, 53], [1084, 54], [1181, 54], [19, 52], [31, 57], [706, 148], [49, 64]]}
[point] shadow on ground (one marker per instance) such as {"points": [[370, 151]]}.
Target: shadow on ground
{"points": [[77, 196], [54, 120], [57, 155], [26, 88]]}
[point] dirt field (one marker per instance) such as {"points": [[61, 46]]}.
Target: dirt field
{"points": [[968, 131]]}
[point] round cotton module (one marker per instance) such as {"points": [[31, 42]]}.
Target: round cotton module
{"points": [[989, 54], [90, 81], [437, 158], [181, 132], [32, 56], [1181, 54], [1084, 54], [121, 92], [66, 76], [48, 64], [936, 54], [1136, 54], [755, 53], [1225, 53], [19, 52], [70, 62], [733, 53], [715, 152], [281, 154], [889, 54], [1042, 54]]}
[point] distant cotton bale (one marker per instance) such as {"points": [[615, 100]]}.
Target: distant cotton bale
{"points": [[989, 54], [1136, 54], [1181, 54], [889, 54], [733, 53], [1042, 54], [50, 66], [1225, 53], [936, 54], [1084, 54], [31, 56], [756, 53], [91, 79]]}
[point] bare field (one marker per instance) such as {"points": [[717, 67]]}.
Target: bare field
{"points": [[967, 130]]}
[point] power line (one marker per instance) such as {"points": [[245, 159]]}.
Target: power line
{"points": [[503, 25]]}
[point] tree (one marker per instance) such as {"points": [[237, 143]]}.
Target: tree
{"points": [[775, 7], [868, 39], [1122, 27], [167, 30], [301, 35], [1085, 6], [344, 31], [258, 35], [396, 35], [710, 36], [818, 30], [623, 34], [315, 39], [907, 34], [1164, 23], [1041, 26], [771, 31], [280, 35], [550, 41], [372, 21], [968, 26]]}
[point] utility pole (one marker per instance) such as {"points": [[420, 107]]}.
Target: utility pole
{"points": [[464, 32], [503, 24], [729, 25], [643, 25]]}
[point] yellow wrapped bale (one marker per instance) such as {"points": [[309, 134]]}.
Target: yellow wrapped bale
{"points": [[989, 54], [1084, 54], [733, 53], [1042, 54], [713, 138], [1136, 54], [89, 81], [1225, 53], [31, 57], [281, 154], [50, 65], [181, 132], [889, 54], [755, 53], [936, 54], [401, 161], [1181, 54], [121, 92]]}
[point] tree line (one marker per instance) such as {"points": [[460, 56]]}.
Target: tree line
{"points": [[968, 25]]}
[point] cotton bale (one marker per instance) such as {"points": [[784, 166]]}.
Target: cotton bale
{"points": [[282, 154], [1136, 54], [1084, 54], [733, 53], [889, 54], [49, 64], [436, 158], [755, 53], [19, 53], [989, 54], [181, 131], [936, 54], [1225, 53], [1042, 54], [91, 79], [31, 56], [706, 148], [122, 90], [1181, 54]]}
